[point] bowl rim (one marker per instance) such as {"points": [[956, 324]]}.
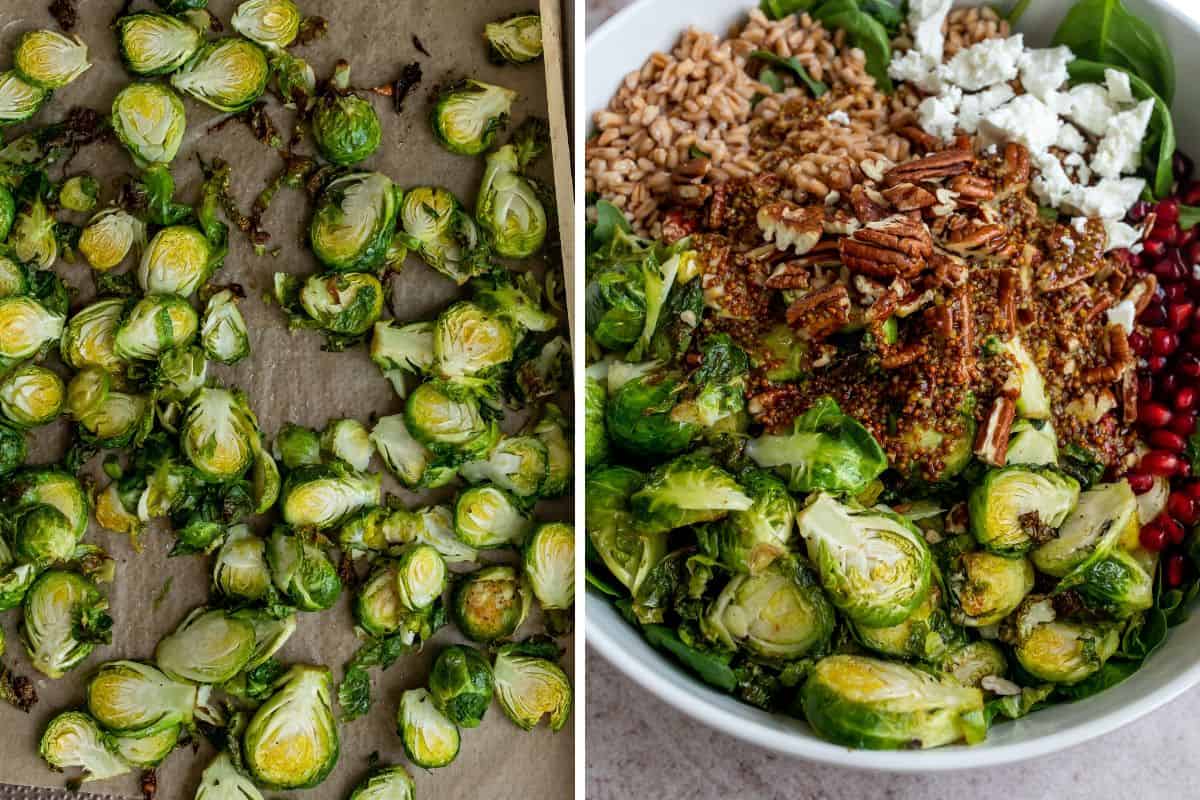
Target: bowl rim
{"points": [[599, 615]]}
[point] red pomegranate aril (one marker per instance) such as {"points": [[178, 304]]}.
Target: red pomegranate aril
{"points": [[1164, 232], [1154, 415], [1193, 489], [1163, 439], [1182, 508], [1169, 269], [1187, 363], [1183, 424], [1167, 385], [1139, 344], [1152, 537], [1153, 249], [1179, 314], [1191, 253], [1171, 527], [1185, 398], [1140, 482], [1161, 463], [1163, 342], [1139, 210], [1175, 293], [1156, 363], [1167, 210], [1155, 314], [1174, 570]]}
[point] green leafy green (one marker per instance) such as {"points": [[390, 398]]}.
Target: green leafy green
{"points": [[710, 667], [792, 65], [1105, 31], [864, 32], [1188, 217]]}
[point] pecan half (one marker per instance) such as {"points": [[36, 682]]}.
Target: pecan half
{"points": [[1141, 293], [1129, 397], [840, 222], [920, 138], [943, 164], [894, 246], [865, 208], [821, 313], [789, 275], [903, 356], [791, 226], [1120, 357], [1006, 302], [909, 197], [1014, 175], [991, 442], [973, 189]]}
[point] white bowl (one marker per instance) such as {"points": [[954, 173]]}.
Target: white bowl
{"points": [[621, 45]]}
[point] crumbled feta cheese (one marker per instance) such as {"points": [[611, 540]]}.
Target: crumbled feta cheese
{"points": [[838, 117], [936, 113], [1079, 224], [1026, 120], [1052, 186], [1121, 147], [1108, 199], [1043, 71], [918, 69], [1123, 314], [1070, 139], [1117, 83], [925, 18], [987, 63], [1119, 234], [1088, 107], [1075, 166], [991, 149], [974, 106]]}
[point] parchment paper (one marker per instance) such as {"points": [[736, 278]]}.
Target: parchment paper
{"points": [[289, 378]]}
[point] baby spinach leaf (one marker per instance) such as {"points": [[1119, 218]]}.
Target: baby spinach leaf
{"points": [[793, 65], [1188, 217], [778, 9], [1109, 675], [711, 667], [1016, 12], [1105, 31], [864, 32]]}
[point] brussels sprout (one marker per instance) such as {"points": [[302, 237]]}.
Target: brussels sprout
{"points": [[322, 496], [156, 44], [500, 295], [749, 540], [296, 446], [594, 434], [64, 618], [1115, 584], [302, 571], [1032, 400], [129, 697], [469, 342], [970, 663], [177, 261], [1016, 507], [222, 781], [447, 420], [348, 440], [468, 114], [264, 480], [515, 40], [150, 121], [14, 278], [271, 633], [87, 391], [622, 543], [8, 212], [386, 783], [120, 420], [460, 684], [530, 688], [294, 78], [377, 605], [434, 526], [149, 750], [421, 577], [864, 702], [49, 59], [157, 323], [344, 125], [487, 517], [402, 349], [223, 329], [228, 74], [31, 396], [549, 560], [240, 568], [1061, 651], [12, 449], [346, 303], [73, 739], [639, 420], [985, 587], [33, 237], [291, 742], [15, 581], [272, 23], [518, 464], [874, 563], [430, 739], [79, 193], [181, 373], [779, 613], [936, 454], [926, 635], [551, 429], [490, 604], [56, 488], [90, 336], [508, 207], [1099, 518], [209, 646], [219, 435], [686, 491], [1032, 442], [43, 535], [405, 457], [446, 237], [19, 101], [354, 221]]}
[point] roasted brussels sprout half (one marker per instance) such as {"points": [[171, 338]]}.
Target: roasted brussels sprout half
{"points": [[73, 739], [460, 684], [433, 526], [421, 577], [1094, 526], [296, 446], [15, 580], [79, 193], [156, 324], [377, 606], [882, 705], [240, 569], [271, 632], [33, 239], [227, 74], [119, 421], [54, 487], [468, 342], [518, 464], [487, 517], [42, 535], [90, 336], [552, 430], [181, 372], [302, 572], [178, 261], [150, 121], [970, 663], [272, 23], [595, 436], [629, 552], [749, 540], [222, 781], [549, 560], [1016, 507], [87, 391], [430, 739], [209, 646], [156, 44], [1032, 442], [291, 742], [347, 440], [686, 491], [344, 125], [14, 278], [446, 237], [985, 588], [219, 434], [19, 101], [1032, 400], [149, 750], [515, 40], [129, 697], [49, 59], [322, 496], [65, 617], [779, 613], [448, 420], [354, 221], [508, 207], [874, 564], [638, 417], [1115, 584], [346, 303], [31, 395], [223, 330], [530, 687], [1061, 651], [386, 783], [468, 114], [404, 456], [490, 603], [400, 350], [926, 635]]}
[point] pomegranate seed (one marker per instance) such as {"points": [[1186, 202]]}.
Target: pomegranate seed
{"points": [[1154, 314], [1175, 293], [1192, 253], [1193, 489], [1179, 314], [1170, 269], [1154, 415], [1171, 527], [1139, 211], [1164, 232], [1152, 537], [1139, 344], [1182, 508], [1167, 385], [1183, 424], [1175, 567], [1163, 439], [1160, 462], [1167, 210], [1185, 398], [1141, 482], [1188, 364], [1191, 195], [1153, 249], [1156, 363]]}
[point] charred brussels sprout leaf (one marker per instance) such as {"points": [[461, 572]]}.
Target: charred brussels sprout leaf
{"points": [[150, 121], [460, 684], [515, 40], [227, 74], [291, 742], [156, 44], [468, 114]]}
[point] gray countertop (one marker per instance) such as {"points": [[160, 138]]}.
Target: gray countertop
{"points": [[639, 747]]}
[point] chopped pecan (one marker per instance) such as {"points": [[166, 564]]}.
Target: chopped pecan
{"points": [[789, 275], [692, 195], [718, 208], [821, 313], [791, 226], [866, 208], [825, 254], [943, 164], [1006, 301], [887, 301], [1014, 175], [1141, 293], [1129, 397], [902, 356], [894, 246], [919, 137], [692, 171], [840, 222], [1091, 407], [991, 442], [909, 196], [967, 236], [1120, 357], [948, 270], [678, 223], [973, 189]]}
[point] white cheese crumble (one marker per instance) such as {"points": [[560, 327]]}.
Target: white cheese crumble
{"points": [[1024, 119], [974, 106], [1088, 107], [838, 117], [1120, 235], [925, 18], [1108, 199], [1121, 147], [1070, 139], [1123, 314], [1117, 83], [1079, 224], [987, 63], [936, 112], [1043, 71]]}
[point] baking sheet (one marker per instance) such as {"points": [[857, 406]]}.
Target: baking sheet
{"points": [[289, 378]]}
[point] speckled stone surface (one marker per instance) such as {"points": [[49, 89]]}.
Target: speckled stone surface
{"points": [[639, 747]]}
